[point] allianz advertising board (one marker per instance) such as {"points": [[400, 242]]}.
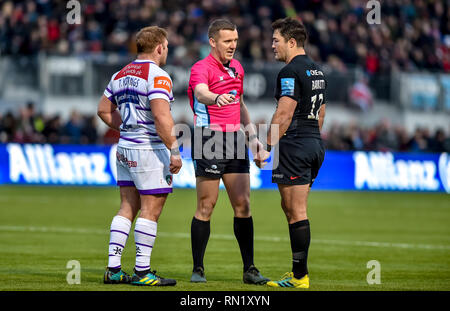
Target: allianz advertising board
{"points": [[35, 164]]}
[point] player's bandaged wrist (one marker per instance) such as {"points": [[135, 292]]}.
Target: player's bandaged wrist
{"points": [[252, 137], [174, 152]]}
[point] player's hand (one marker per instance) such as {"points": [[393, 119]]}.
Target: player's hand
{"points": [[261, 158], [175, 164], [225, 99], [255, 146]]}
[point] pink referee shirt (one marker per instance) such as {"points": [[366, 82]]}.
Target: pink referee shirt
{"points": [[220, 80]]}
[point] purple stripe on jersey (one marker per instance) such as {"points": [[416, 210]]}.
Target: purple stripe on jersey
{"points": [[161, 92], [143, 244], [119, 232], [132, 91], [138, 107], [109, 90], [125, 183], [156, 191], [112, 99], [151, 134], [114, 243], [131, 139], [145, 233], [156, 141], [141, 108], [145, 122]]}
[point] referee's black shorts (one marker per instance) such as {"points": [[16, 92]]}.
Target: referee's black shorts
{"points": [[219, 153], [300, 159]]}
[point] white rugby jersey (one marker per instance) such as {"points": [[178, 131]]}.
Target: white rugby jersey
{"points": [[132, 89]]}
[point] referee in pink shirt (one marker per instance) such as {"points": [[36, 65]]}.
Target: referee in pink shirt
{"points": [[219, 149]]}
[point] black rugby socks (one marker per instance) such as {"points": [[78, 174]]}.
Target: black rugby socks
{"points": [[243, 230], [200, 231], [300, 236]]}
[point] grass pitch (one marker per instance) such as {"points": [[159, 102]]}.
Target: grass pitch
{"points": [[42, 228]]}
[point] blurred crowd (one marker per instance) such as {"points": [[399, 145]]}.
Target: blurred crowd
{"points": [[383, 136], [412, 35], [28, 126]]}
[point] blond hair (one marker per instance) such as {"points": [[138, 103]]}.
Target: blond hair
{"points": [[148, 38]]}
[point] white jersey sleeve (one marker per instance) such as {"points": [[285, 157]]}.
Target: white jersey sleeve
{"points": [[160, 85], [109, 90]]}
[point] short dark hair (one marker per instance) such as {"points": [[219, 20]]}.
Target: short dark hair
{"points": [[291, 28], [218, 25]]}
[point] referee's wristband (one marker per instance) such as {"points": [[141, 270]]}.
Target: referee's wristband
{"points": [[174, 152], [217, 97], [269, 147]]}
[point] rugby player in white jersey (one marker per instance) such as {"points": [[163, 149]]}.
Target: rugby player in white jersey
{"points": [[137, 103]]}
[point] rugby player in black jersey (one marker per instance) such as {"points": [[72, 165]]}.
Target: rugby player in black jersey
{"points": [[300, 94]]}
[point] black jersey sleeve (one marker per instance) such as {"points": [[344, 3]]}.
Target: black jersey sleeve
{"points": [[288, 84]]}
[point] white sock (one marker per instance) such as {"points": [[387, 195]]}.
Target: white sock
{"points": [[144, 236], [120, 228]]}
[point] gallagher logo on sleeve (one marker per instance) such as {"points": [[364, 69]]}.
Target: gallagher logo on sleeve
{"points": [[287, 86]]}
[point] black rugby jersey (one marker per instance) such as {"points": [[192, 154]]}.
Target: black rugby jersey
{"points": [[303, 81]]}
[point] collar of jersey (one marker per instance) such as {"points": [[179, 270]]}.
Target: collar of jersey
{"points": [[221, 66], [143, 61]]}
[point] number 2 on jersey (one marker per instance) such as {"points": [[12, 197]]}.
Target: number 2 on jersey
{"points": [[312, 114], [129, 118]]}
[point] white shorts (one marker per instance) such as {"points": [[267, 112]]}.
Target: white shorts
{"points": [[147, 170]]}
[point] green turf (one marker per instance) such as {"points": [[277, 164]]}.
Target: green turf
{"points": [[42, 228]]}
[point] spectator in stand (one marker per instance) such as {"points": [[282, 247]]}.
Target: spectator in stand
{"points": [[361, 95], [89, 133], [437, 143], [72, 129], [386, 138], [52, 130], [403, 139], [25, 129], [8, 128], [414, 34], [418, 142]]}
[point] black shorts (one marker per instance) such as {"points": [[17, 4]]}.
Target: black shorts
{"points": [[299, 160], [216, 153]]}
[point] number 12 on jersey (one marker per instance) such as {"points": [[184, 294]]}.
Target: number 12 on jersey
{"points": [[315, 114]]}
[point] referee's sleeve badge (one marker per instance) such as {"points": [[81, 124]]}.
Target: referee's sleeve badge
{"points": [[287, 86]]}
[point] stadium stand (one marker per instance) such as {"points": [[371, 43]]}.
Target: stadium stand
{"points": [[414, 37], [31, 127]]}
